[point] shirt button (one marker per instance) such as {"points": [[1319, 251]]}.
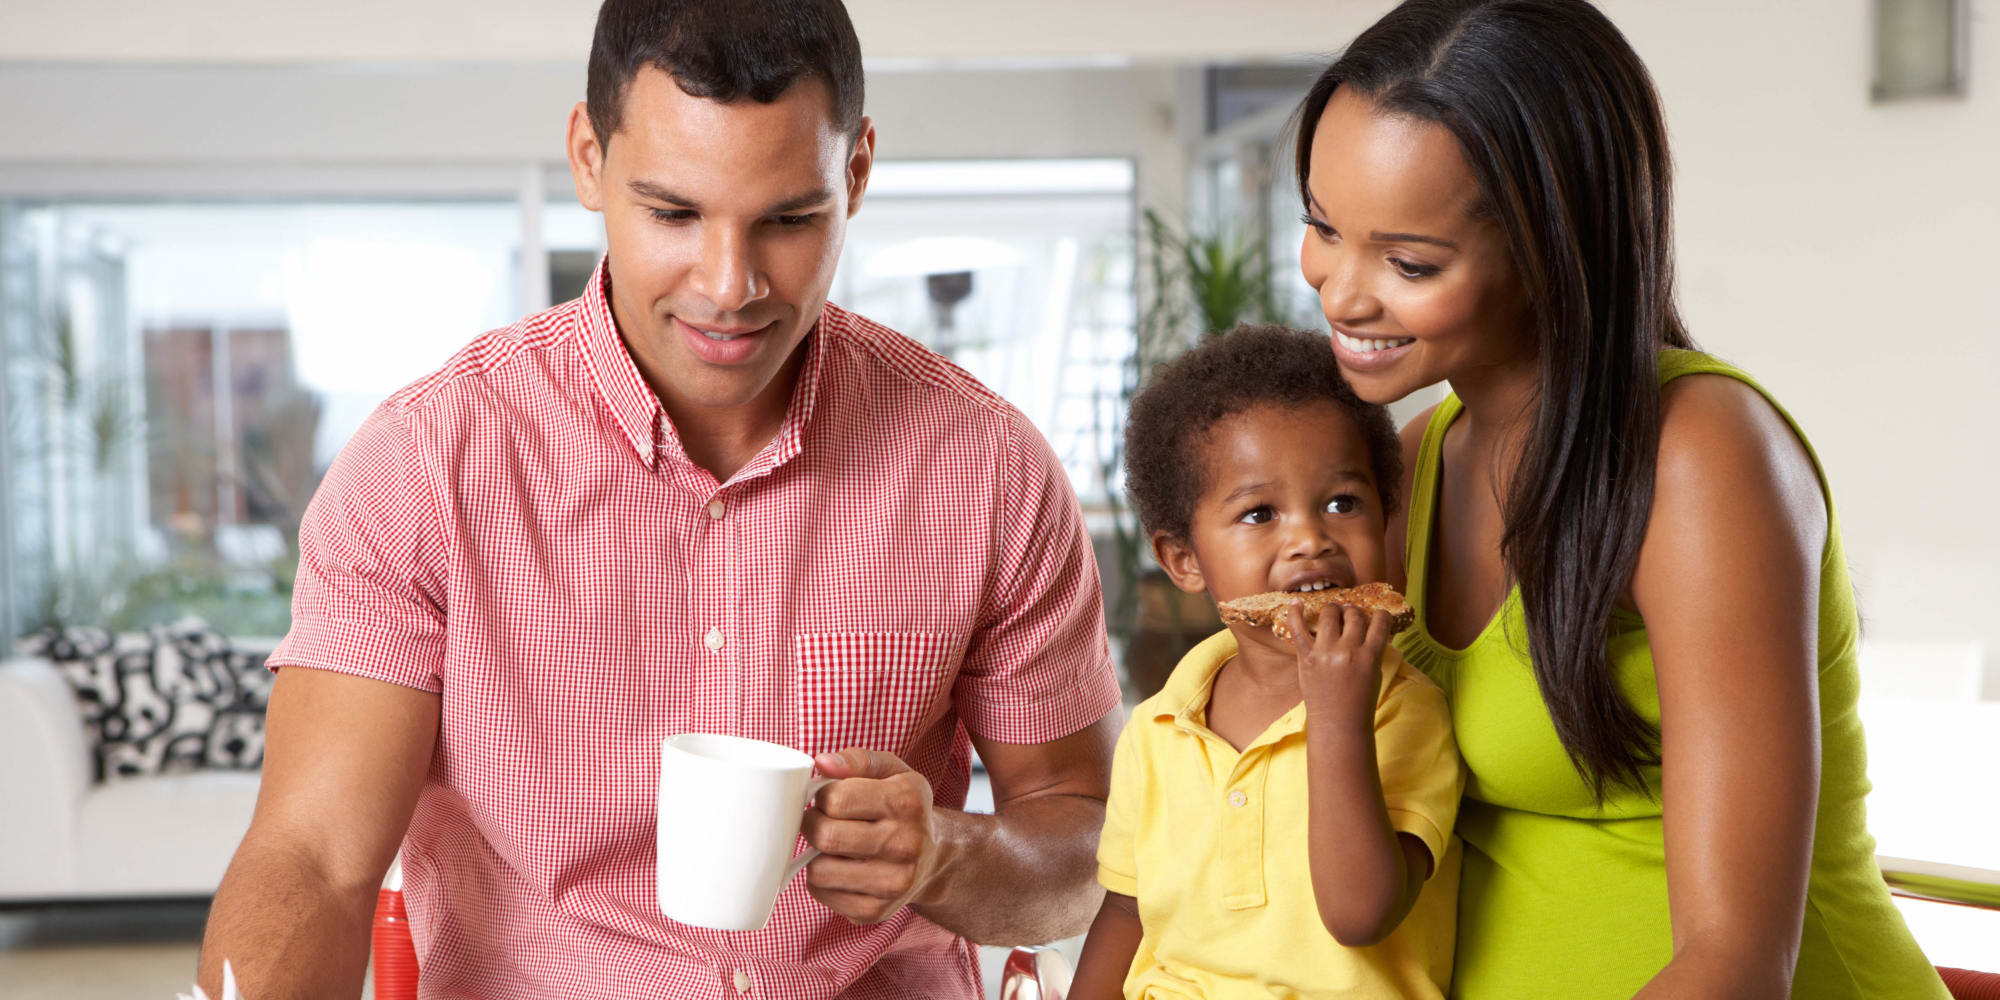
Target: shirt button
{"points": [[1237, 799], [716, 509], [742, 981], [713, 640]]}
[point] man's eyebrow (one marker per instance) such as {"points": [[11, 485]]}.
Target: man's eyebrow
{"points": [[811, 199], [648, 189]]}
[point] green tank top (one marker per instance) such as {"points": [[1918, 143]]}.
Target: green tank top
{"points": [[1559, 897]]}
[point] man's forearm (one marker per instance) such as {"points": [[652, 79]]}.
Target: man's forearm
{"points": [[287, 932], [1025, 876]]}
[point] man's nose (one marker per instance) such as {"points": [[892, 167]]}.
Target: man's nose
{"points": [[728, 275]]}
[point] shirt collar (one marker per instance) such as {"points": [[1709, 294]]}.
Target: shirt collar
{"points": [[790, 439], [631, 401], [637, 410], [1183, 700]]}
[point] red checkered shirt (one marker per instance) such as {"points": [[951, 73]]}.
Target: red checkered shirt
{"points": [[522, 533]]}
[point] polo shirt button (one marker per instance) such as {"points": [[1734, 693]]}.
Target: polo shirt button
{"points": [[1237, 799], [716, 509], [742, 981], [713, 640]]}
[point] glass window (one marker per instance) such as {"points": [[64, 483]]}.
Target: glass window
{"points": [[179, 376], [1020, 272], [179, 373]]}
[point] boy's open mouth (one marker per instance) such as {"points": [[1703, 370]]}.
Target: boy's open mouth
{"points": [[1309, 584]]}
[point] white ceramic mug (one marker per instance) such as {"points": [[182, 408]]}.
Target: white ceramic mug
{"points": [[729, 813]]}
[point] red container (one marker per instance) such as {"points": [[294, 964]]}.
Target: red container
{"points": [[395, 953]]}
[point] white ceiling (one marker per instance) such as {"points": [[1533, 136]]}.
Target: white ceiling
{"points": [[892, 31]]}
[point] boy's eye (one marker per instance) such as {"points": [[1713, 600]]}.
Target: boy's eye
{"points": [[792, 221], [1255, 515], [671, 214], [1346, 503]]}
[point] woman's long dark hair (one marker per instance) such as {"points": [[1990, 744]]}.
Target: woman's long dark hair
{"points": [[1558, 119]]}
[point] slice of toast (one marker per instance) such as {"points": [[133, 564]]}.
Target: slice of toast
{"points": [[1268, 610]]}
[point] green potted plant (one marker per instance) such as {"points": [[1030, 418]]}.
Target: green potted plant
{"points": [[1199, 285]]}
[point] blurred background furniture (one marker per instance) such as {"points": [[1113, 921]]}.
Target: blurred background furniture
{"points": [[65, 837]]}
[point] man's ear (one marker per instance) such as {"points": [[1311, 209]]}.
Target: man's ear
{"points": [[586, 158], [860, 163], [1177, 557]]}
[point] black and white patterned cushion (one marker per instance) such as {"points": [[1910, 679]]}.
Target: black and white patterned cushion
{"points": [[172, 699]]}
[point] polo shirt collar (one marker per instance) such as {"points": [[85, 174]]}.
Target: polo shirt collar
{"points": [[1184, 698], [637, 411]]}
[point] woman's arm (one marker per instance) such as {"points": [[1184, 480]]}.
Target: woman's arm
{"points": [[1728, 583], [1107, 952]]}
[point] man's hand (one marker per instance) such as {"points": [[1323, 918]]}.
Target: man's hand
{"points": [[875, 831], [1340, 661]]}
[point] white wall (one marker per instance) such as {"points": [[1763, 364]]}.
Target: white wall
{"points": [[1845, 252]]}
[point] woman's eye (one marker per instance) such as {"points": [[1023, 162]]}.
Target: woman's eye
{"points": [[1325, 231], [1256, 515], [1346, 503], [1411, 269]]}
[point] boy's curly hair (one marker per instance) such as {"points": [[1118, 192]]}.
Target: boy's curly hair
{"points": [[1246, 367]]}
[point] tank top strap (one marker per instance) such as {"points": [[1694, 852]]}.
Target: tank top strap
{"points": [[1423, 499]]}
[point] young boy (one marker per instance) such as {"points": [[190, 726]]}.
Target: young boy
{"points": [[1281, 812]]}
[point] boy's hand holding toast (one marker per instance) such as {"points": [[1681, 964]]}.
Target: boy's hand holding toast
{"points": [[1339, 634], [1340, 660]]}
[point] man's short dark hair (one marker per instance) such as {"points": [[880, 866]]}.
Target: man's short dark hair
{"points": [[1248, 367], [724, 50]]}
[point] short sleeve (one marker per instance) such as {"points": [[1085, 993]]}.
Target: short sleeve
{"points": [[370, 594], [1038, 668], [1421, 773], [1117, 849]]}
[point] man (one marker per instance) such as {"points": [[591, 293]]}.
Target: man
{"points": [[698, 498]]}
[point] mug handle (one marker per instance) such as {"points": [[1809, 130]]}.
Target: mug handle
{"points": [[799, 863]]}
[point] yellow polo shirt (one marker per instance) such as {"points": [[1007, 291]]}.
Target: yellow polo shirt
{"points": [[1212, 844]]}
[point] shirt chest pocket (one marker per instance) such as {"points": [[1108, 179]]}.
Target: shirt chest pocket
{"points": [[875, 690]]}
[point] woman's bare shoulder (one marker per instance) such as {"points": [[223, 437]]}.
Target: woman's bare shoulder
{"points": [[1720, 435], [1732, 476]]}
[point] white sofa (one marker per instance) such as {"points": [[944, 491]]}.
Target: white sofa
{"points": [[64, 837]]}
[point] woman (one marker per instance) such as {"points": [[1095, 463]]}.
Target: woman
{"points": [[1627, 570]]}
